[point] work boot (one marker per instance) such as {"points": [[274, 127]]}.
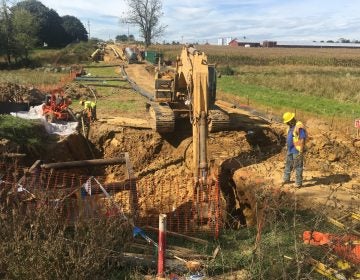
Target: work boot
{"points": [[283, 183]]}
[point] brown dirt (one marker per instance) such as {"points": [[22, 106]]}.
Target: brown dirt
{"points": [[78, 90], [143, 78], [10, 92]]}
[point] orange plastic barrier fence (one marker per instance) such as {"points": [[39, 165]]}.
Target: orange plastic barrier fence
{"points": [[76, 198]]}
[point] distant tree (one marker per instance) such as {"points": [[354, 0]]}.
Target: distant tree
{"points": [[50, 30], [6, 39], [146, 15], [125, 38], [343, 40], [329, 41], [121, 38], [25, 28], [74, 29]]}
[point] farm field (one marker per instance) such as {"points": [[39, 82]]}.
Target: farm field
{"points": [[321, 85]]}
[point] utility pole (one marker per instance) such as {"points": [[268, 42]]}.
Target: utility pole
{"points": [[88, 23]]}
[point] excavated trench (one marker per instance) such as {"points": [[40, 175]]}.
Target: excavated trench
{"points": [[162, 164]]}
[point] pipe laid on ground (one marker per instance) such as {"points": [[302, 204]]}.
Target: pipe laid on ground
{"points": [[136, 87], [89, 79], [83, 163]]}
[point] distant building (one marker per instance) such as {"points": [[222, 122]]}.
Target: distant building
{"points": [[269, 44], [235, 43], [224, 41], [228, 40]]}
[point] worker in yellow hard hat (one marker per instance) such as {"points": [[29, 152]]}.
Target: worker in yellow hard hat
{"points": [[295, 140], [90, 108]]}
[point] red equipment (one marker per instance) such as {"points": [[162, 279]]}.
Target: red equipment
{"points": [[56, 106], [346, 246]]}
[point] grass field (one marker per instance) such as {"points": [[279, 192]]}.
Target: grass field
{"points": [[236, 56], [287, 99], [312, 81], [31, 77]]}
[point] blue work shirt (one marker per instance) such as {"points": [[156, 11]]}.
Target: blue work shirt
{"points": [[290, 143]]}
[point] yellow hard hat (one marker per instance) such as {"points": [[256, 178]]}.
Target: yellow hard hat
{"points": [[288, 116]]}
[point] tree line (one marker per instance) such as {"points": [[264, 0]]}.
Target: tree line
{"points": [[29, 24]]}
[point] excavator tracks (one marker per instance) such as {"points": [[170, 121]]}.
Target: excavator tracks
{"points": [[218, 120], [162, 117]]}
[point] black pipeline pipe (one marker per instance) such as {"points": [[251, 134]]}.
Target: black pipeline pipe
{"points": [[136, 87], [83, 163]]}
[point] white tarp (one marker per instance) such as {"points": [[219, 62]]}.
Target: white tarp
{"points": [[35, 113]]}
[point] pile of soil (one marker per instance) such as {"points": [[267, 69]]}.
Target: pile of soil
{"points": [[80, 91], [10, 92]]}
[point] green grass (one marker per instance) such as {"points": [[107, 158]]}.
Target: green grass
{"points": [[126, 105], [278, 239], [71, 54], [102, 71], [28, 134], [279, 99], [30, 77]]}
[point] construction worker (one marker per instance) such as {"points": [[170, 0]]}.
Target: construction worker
{"points": [[89, 107], [296, 137]]}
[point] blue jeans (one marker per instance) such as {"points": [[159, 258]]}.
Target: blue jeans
{"points": [[294, 161]]}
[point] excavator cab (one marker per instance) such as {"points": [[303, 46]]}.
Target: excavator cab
{"points": [[164, 87]]}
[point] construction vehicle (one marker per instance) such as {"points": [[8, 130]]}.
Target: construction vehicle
{"points": [[98, 54], [56, 107], [176, 90], [131, 54]]}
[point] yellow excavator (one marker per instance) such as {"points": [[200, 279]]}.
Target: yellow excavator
{"points": [[178, 91], [192, 89]]}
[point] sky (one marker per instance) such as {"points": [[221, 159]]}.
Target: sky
{"points": [[207, 20]]}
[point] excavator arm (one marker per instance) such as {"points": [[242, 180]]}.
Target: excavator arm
{"points": [[192, 73]]}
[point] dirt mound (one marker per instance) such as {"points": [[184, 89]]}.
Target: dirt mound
{"points": [[156, 188], [77, 91], [142, 146], [329, 146], [10, 92]]}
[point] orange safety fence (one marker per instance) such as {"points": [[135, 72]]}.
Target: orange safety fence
{"points": [[63, 81], [344, 245], [68, 192]]}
